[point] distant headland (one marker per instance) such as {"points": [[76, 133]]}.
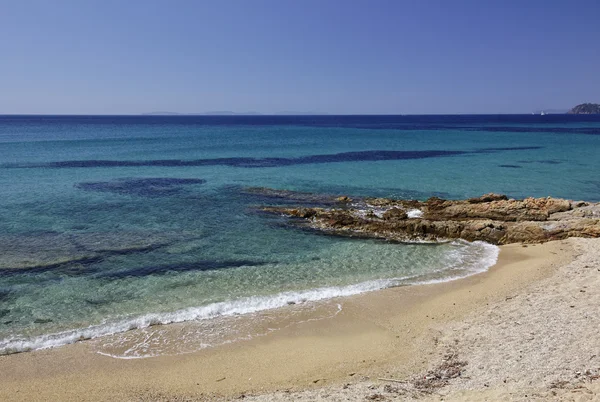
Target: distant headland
{"points": [[586, 108]]}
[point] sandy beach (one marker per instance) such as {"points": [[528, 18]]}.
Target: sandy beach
{"points": [[526, 329]]}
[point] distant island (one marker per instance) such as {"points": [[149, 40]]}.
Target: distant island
{"points": [[586, 108], [230, 113], [211, 113]]}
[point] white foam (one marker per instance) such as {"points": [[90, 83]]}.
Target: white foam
{"points": [[488, 259], [235, 307], [414, 213], [371, 209], [183, 344], [246, 305], [379, 211]]}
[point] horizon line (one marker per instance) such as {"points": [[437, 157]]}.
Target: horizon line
{"points": [[273, 114]]}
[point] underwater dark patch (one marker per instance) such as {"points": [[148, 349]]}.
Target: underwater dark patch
{"points": [[131, 250], [76, 266], [62, 267], [42, 320], [145, 187], [500, 149], [97, 302], [260, 196], [511, 166], [251, 162], [161, 185], [4, 295], [268, 195], [543, 161], [550, 162]]}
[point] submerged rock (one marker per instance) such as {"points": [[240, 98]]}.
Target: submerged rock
{"points": [[52, 250], [296, 197], [42, 320], [144, 187], [493, 218]]}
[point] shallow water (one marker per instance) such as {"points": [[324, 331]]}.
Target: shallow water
{"points": [[113, 223]]}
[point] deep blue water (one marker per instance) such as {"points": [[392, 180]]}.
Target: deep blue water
{"points": [[117, 222]]}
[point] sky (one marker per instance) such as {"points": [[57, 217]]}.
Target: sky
{"points": [[324, 56]]}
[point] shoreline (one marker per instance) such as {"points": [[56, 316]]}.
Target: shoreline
{"points": [[249, 307], [391, 333]]}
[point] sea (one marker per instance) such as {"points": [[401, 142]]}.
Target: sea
{"points": [[117, 229]]}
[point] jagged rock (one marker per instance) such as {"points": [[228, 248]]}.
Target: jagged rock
{"points": [[395, 213], [577, 204], [380, 202], [493, 218], [304, 212], [498, 208], [487, 198], [340, 218]]}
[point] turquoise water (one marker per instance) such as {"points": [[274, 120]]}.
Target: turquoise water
{"points": [[114, 223]]}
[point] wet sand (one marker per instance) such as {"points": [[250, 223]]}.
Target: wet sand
{"points": [[390, 333]]}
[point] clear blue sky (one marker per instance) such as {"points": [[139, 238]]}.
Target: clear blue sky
{"points": [[348, 56]]}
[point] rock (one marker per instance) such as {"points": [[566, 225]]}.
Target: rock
{"points": [[344, 199], [554, 205], [525, 232], [498, 207], [371, 214], [340, 218], [395, 213], [305, 213], [488, 198], [578, 204], [436, 203], [145, 187], [379, 202], [42, 320], [492, 218]]}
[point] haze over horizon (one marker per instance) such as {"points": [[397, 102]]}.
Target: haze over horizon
{"points": [[335, 57]]}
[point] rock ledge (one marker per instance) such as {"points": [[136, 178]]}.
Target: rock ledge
{"points": [[493, 218]]}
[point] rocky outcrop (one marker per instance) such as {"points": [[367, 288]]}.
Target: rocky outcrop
{"points": [[492, 218], [586, 108]]}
